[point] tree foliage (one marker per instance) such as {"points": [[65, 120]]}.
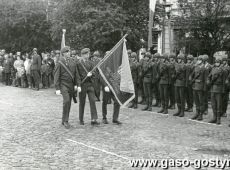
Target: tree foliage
{"points": [[206, 23]]}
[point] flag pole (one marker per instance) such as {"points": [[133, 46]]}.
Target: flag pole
{"points": [[106, 56]]}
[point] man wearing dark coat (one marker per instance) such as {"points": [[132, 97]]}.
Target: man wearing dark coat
{"points": [[66, 81]]}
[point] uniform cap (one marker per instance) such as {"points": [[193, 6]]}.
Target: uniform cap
{"points": [[134, 55], [190, 57], [85, 50], [165, 55], [200, 57], [181, 56], [18, 53], [129, 51], [96, 53], [148, 54], [157, 55], [205, 57], [65, 49]]}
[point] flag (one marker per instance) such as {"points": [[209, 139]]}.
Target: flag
{"points": [[152, 6], [63, 38], [115, 70]]}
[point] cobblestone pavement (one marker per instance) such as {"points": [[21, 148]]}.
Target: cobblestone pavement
{"points": [[32, 136]]}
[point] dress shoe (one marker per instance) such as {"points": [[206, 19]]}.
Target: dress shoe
{"points": [[117, 122], [181, 114], [212, 121], [218, 121], [105, 121], [94, 122], [66, 124], [82, 123], [161, 111]]}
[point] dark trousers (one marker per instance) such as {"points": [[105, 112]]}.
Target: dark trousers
{"points": [[155, 89], [180, 98], [3, 76], [7, 78], [44, 80], [216, 99], [225, 101], [141, 87], [135, 100], [49, 79], [67, 98], [199, 100], [116, 105], [206, 94], [189, 96], [87, 89], [97, 86], [164, 95], [148, 92], [36, 78], [28, 76], [172, 94]]}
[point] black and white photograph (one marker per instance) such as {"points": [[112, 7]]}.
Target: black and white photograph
{"points": [[114, 84]]}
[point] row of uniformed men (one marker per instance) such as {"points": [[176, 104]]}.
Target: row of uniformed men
{"points": [[73, 75], [172, 80]]}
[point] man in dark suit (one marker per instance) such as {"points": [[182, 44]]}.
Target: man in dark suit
{"points": [[67, 81], [85, 66], [36, 68], [7, 66]]}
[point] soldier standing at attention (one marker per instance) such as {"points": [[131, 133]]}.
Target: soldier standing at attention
{"points": [[35, 68], [226, 70], [155, 78], [141, 78], [134, 66], [198, 80], [164, 83], [208, 68], [66, 81], [85, 66], [188, 88], [147, 80], [216, 81], [180, 79], [172, 63]]}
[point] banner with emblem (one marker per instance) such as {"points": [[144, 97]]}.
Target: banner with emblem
{"points": [[115, 70]]}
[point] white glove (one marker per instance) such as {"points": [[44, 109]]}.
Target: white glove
{"points": [[79, 89], [89, 74], [58, 92], [75, 88], [107, 89]]}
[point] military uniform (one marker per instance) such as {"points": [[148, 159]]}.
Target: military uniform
{"points": [[164, 84], [147, 80], [7, 70], [97, 85], [65, 83], [143, 100], [217, 81], [226, 70], [155, 78], [84, 67], [134, 66], [35, 69], [172, 97], [208, 68], [180, 80], [198, 82], [188, 88]]}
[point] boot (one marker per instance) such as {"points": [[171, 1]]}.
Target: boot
{"points": [[181, 113], [150, 104], [159, 104], [161, 111], [196, 115], [165, 110], [200, 117], [135, 106], [214, 119], [218, 118], [178, 112], [145, 108]]}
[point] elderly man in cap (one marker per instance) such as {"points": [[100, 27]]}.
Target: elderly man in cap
{"points": [[85, 67], [35, 68], [66, 81]]}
